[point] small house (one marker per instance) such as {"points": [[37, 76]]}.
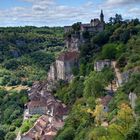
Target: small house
{"points": [[101, 64]]}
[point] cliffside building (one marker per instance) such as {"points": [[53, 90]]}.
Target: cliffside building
{"points": [[76, 38], [63, 66], [101, 64]]}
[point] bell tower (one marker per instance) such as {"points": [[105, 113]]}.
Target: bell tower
{"points": [[102, 16]]}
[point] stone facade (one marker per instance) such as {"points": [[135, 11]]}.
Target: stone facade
{"points": [[52, 72], [101, 64], [37, 107], [62, 68], [73, 42], [95, 25], [43, 102]]}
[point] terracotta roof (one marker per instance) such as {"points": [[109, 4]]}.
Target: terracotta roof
{"points": [[105, 101], [66, 56], [37, 104], [42, 122]]}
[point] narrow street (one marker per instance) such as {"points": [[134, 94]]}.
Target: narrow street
{"points": [[117, 73], [24, 118]]}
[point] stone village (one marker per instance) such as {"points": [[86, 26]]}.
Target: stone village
{"points": [[53, 112]]}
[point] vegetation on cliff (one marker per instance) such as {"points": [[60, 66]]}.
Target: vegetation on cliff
{"points": [[119, 42]]}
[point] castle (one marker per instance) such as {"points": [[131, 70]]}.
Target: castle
{"points": [[76, 38], [62, 68], [95, 25]]}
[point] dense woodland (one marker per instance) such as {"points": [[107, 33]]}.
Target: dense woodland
{"points": [[27, 52], [25, 56]]}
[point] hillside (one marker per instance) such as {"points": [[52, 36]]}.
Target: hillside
{"points": [[99, 113], [27, 52], [25, 56], [104, 102]]}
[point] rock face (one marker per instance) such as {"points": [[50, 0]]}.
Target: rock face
{"points": [[63, 66], [73, 42]]}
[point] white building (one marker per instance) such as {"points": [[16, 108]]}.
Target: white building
{"points": [[101, 64]]}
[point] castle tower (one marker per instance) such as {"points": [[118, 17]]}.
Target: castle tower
{"points": [[102, 16]]}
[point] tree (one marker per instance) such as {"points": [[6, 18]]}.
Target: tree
{"points": [[118, 18], [125, 115], [137, 107], [111, 20], [109, 74], [94, 85], [124, 37], [99, 114], [99, 133], [101, 38], [10, 136], [109, 51], [67, 134], [134, 132], [133, 85], [11, 64], [76, 26], [2, 134]]}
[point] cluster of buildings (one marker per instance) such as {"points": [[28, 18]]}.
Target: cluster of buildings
{"points": [[120, 79], [106, 63], [53, 113], [45, 128], [62, 68]]}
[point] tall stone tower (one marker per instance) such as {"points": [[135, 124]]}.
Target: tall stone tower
{"points": [[102, 16]]}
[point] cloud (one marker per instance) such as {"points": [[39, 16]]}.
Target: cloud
{"points": [[121, 2], [46, 12], [134, 10], [49, 12]]}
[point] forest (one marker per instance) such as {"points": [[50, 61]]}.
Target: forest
{"points": [[25, 56]]}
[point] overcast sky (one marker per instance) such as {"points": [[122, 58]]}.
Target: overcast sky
{"points": [[63, 12]]}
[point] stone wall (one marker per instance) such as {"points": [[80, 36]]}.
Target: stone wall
{"points": [[38, 110]]}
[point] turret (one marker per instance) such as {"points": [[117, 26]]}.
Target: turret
{"points": [[102, 16]]}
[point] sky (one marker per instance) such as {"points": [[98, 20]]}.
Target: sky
{"points": [[63, 12]]}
